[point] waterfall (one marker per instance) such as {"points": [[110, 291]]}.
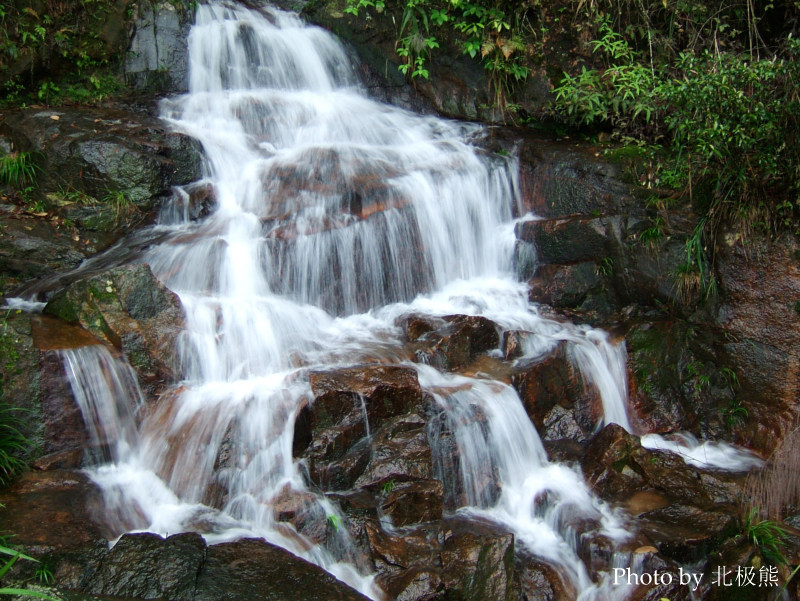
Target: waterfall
{"points": [[335, 215]]}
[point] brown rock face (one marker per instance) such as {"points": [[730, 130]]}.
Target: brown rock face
{"points": [[50, 510], [455, 558], [414, 502], [556, 398], [449, 342], [761, 287], [386, 391]]}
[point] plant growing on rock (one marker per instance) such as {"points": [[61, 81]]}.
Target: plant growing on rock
{"points": [[18, 169], [14, 557], [485, 30]]}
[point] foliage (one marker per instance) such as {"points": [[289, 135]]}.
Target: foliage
{"points": [[334, 521], [716, 121], [39, 39], [621, 93], [14, 557], [14, 446], [768, 536], [483, 29], [17, 169]]}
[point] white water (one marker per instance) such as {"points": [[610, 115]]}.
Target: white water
{"points": [[706, 454], [329, 205]]}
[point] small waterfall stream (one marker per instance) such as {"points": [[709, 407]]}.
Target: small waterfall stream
{"points": [[334, 216]]}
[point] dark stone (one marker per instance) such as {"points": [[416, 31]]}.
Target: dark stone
{"points": [[386, 391], [32, 248], [540, 581], [146, 566], [606, 463], [568, 241], [258, 571], [512, 344], [400, 452], [452, 341], [414, 502], [684, 533], [64, 428], [157, 57], [478, 562], [565, 285], [760, 286], [90, 156]]}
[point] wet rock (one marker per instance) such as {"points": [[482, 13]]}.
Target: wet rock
{"points": [[147, 566], [512, 344], [685, 533], [478, 562], [540, 581], [64, 428], [417, 547], [552, 381], [760, 283], [565, 286], [457, 86], [349, 403], [558, 182], [130, 309], [415, 584], [255, 570], [20, 380], [568, 241], [670, 474], [452, 341], [386, 391], [737, 553], [648, 561], [616, 466], [156, 61], [414, 502], [63, 500], [183, 568], [400, 452], [457, 559], [303, 511], [606, 463]]}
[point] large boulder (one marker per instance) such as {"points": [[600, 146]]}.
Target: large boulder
{"points": [[182, 568], [101, 170], [128, 308]]}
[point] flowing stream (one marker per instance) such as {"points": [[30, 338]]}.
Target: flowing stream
{"points": [[334, 216]]}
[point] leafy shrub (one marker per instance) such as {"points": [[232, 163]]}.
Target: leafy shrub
{"points": [[483, 29]]}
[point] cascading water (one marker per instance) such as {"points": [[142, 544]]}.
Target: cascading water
{"points": [[329, 204]]}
